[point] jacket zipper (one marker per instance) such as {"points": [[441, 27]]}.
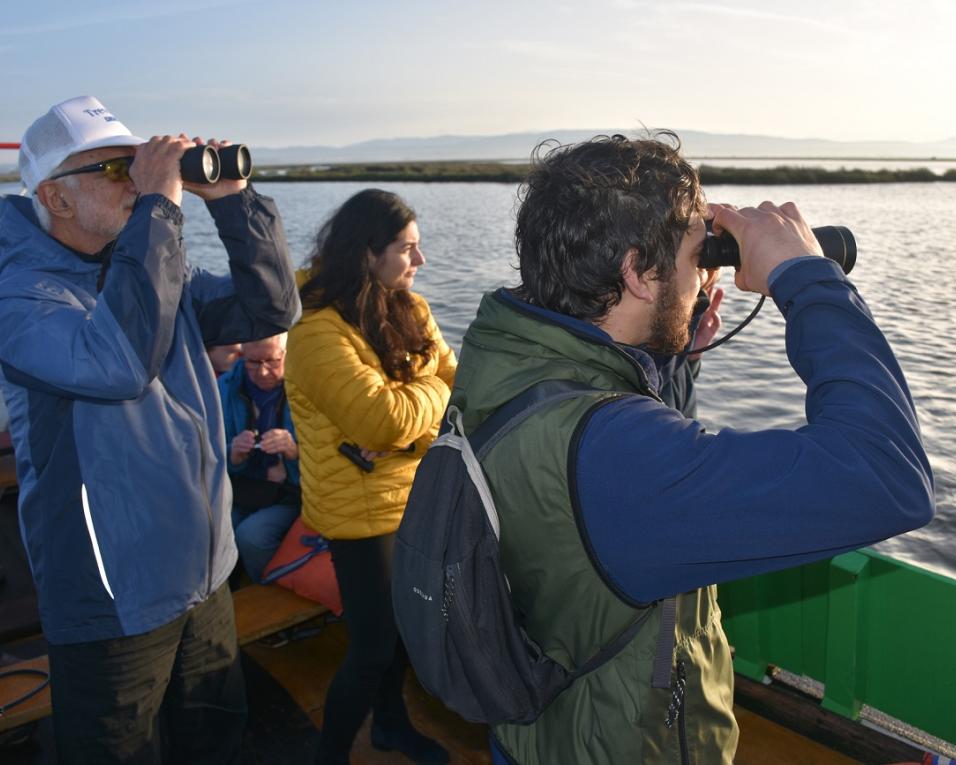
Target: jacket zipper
{"points": [[675, 711], [684, 753], [197, 424], [205, 495]]}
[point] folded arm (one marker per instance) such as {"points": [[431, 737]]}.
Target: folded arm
{"points": [[372, 411]]}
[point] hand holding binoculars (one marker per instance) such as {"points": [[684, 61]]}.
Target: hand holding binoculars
{"points": [[837, 243], [205, 164]]}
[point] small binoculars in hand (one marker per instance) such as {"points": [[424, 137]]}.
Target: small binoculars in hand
{"points": [[204, 164], [837, 243]]}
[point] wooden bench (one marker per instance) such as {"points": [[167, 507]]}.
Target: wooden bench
{"points": [[260, 611]]}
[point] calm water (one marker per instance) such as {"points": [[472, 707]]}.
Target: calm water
{"points": [[906, 235], [938, 166]]}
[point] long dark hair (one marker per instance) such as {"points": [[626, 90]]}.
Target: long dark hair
{"points": [[339, 276]]}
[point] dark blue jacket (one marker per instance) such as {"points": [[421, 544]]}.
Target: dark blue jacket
{"points": [[671, 507], [666, 507], [124, 499]]}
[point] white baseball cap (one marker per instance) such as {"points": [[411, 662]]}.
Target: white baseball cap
{"points": [[80, 124]]}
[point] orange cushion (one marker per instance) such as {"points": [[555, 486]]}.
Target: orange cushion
{"points": [[314, 579]]}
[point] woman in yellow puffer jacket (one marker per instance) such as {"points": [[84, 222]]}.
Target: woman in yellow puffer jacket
{"points": [[368, 370]]}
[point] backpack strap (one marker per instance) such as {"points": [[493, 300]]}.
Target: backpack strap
{"points": [[617, 645], [666, 637], [316, 544], [502, 421], [476, 446], [510, 415]]}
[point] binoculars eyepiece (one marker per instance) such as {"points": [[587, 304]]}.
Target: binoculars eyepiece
{"points": [[837, 243], [203, 164]]}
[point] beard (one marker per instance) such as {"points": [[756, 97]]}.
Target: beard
{"points": [[99, 219], [670, 328]]}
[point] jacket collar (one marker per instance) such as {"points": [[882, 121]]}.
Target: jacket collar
{"points": [[24, 245], [644, 362]]}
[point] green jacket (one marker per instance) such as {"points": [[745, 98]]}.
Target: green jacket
{"points": [[613, 715]]}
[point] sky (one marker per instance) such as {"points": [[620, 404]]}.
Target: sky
{"points": [[284, 72]]}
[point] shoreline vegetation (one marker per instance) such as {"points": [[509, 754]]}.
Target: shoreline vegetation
{"points": [[514, 173], [500, 172]]}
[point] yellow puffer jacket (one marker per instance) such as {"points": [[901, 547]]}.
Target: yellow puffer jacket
{"points": [[339, 392]]}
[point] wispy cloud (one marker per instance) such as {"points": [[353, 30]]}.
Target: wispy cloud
{"points": [[758, 15], [548, 52], [678, 11], [117, 13]]}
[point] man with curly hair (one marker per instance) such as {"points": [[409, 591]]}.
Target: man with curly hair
{"points": [[612, 502]]}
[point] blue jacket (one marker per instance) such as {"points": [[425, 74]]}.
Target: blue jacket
{"points": [[665, 507], [236, 410], [124, 499]]}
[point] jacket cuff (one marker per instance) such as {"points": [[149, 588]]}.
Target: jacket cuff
{"points": [[240, 199], [167, 208], [793, 280]]}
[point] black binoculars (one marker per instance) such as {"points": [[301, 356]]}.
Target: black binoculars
{"points": [[203, 164], [837, 243]]}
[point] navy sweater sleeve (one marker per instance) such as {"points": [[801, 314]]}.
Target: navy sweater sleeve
{"points": [[665, 507], [259, 297]]}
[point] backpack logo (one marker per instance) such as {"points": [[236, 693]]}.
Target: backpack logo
{"points": [[422, 595]]}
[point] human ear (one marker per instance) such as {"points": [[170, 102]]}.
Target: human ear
{"points": [[371, 260], [55, 199], [638, 285]]}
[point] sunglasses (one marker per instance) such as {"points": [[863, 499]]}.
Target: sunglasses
{"points": [[116, 169]]}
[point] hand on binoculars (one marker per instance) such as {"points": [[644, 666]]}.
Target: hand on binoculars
{"points": [[156, 168], [767, 235], [221, 188]]}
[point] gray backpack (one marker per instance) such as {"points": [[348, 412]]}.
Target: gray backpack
{"points": [[452, 601]]}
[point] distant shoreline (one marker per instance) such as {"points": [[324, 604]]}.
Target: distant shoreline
{"points": [[498, 172]]}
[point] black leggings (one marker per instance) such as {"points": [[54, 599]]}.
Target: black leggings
{"points": [[372, 675]]}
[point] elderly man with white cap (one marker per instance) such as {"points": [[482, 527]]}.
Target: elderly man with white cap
{"points": [[124, 499]]}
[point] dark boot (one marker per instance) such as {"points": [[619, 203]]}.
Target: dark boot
{"points": [[405, 739], [327, 755]]}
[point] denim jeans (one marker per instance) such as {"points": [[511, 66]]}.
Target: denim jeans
{"points": [[259, 534]]}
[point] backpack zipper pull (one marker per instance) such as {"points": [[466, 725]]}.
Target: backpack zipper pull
{"points": [[677, 695], [448, 591]]}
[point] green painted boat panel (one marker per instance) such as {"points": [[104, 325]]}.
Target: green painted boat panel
{"points": [[872, 629]]}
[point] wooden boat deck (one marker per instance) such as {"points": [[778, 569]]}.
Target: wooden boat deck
{"points": [[305, 669]]}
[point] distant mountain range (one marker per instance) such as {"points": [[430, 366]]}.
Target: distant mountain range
{"points": [[518, 146]]}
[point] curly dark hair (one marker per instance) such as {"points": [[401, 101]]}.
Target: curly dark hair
{"points": [[339, 276], [585, 206]]}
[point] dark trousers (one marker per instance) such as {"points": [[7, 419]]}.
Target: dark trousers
{"points": [[372, 675], [109, 696]]}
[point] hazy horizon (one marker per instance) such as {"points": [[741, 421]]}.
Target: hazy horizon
{"points": [[516, 147]]}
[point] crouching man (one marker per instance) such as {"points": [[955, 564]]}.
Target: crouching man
{"points": [[263, 453], [124, 498], [611, 502]]}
